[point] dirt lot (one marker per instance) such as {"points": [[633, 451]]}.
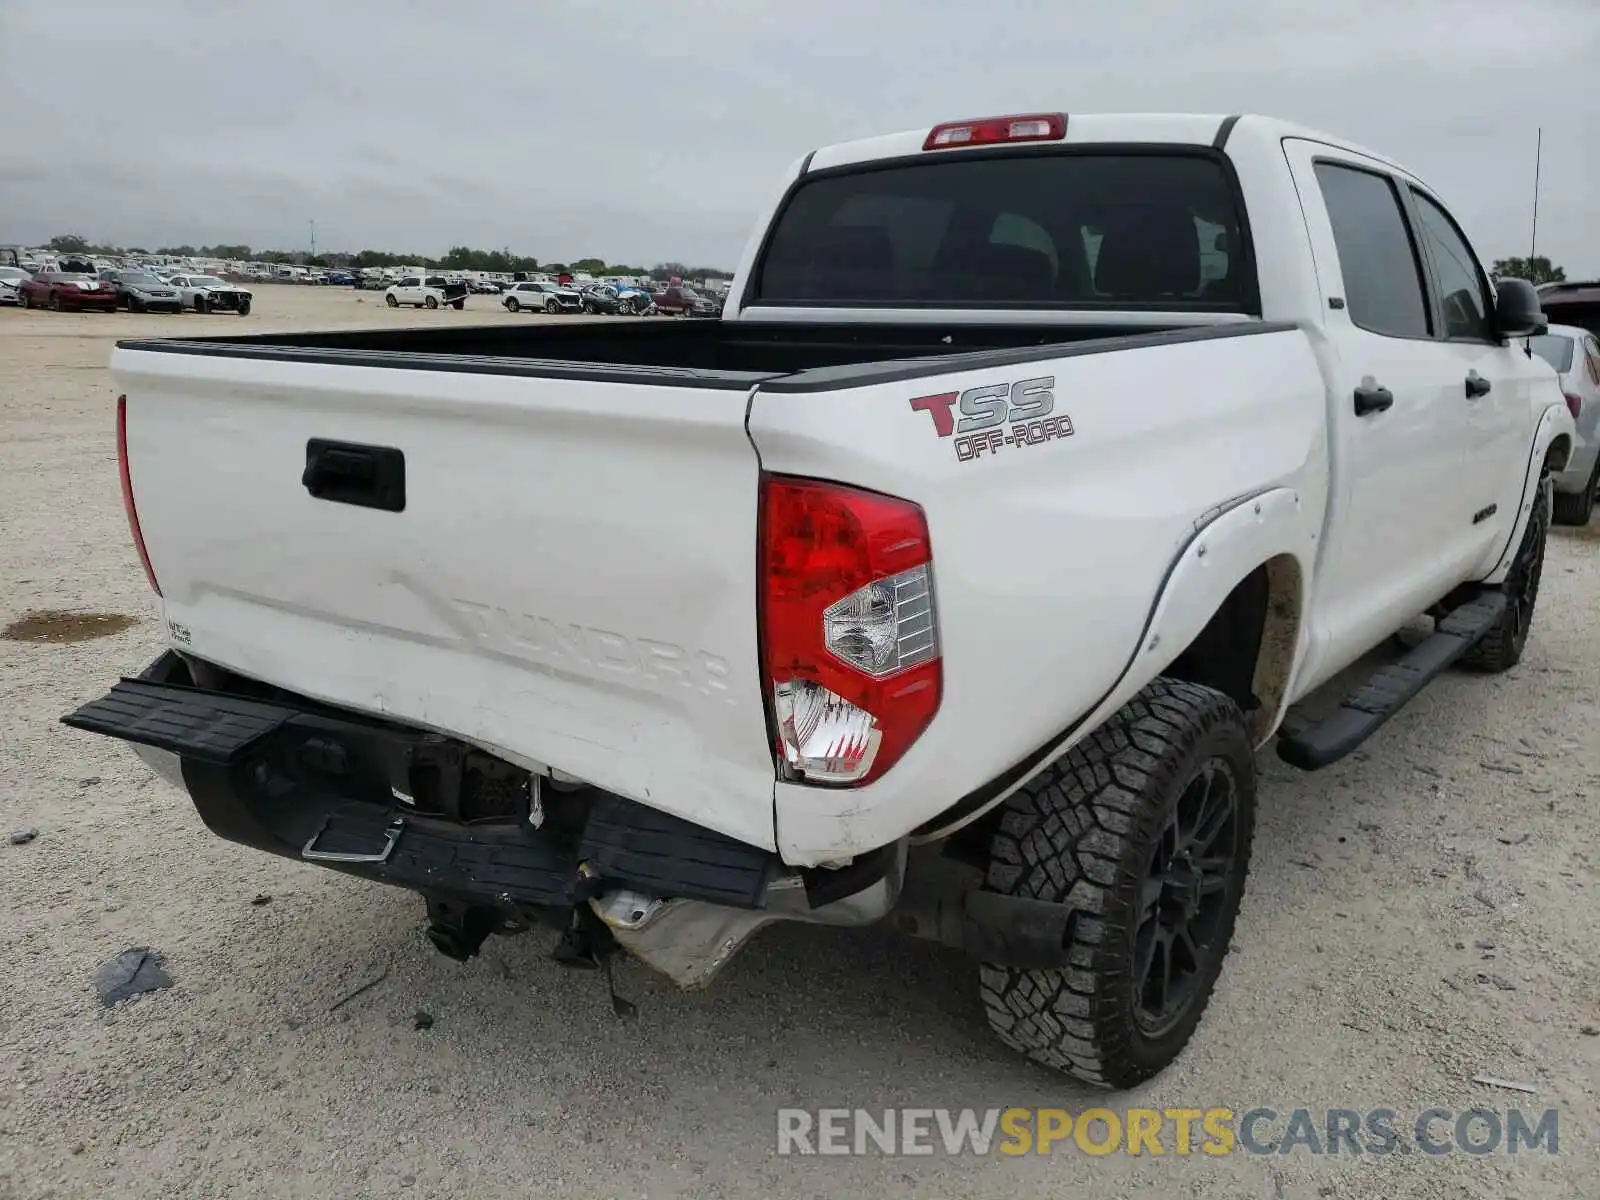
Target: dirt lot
{"points": [[1420, 914]]}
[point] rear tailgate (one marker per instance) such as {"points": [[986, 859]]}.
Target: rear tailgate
{"points": [[570, 583]]}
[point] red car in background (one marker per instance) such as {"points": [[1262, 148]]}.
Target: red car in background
{"points": [[66, 291]]}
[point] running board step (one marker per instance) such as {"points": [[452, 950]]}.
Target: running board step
{"points": [[1388, 691]]}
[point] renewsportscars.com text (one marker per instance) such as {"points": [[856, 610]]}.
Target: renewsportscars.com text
{"points": [[1174, 1131]]}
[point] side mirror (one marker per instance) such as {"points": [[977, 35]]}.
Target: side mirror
{"points": [[1517, 310]]}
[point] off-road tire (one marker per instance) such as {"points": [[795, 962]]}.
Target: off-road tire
{"points": [[1087, 832], [1501, 648], [1575, 508]]}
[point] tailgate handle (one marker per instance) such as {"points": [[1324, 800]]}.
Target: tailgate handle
{"points": [[350, 473]]}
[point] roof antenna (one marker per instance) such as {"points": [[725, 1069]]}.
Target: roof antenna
{"points": [[1538, 154]]}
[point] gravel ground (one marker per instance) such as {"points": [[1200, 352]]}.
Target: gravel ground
{"points": [[1419, 914]]}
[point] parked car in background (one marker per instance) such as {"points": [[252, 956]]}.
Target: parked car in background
{"points": [[601, 298], [679, 301], [1576, 303], [11, 278], [208, 293], [66, 291], [426, 291], [485, 287], [633, 300], [1575, 355], [142, 291], [548, 297]]}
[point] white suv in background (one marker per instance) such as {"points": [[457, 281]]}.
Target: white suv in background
{"points": [[1575, 354], [546, 297]]}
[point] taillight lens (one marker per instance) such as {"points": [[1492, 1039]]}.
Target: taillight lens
{"points": [[849, 623], [1574, 404], [127, 494]]}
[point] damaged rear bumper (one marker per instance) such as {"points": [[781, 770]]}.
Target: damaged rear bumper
{"points": [[493, 848], [489, 846]]}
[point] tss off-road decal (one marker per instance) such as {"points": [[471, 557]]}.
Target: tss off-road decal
{"points": [[997, 415]]}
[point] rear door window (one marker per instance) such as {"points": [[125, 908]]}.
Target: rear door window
{"points": [[1052, 230], [1377, 258]]}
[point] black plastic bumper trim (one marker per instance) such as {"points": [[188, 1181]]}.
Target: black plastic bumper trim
{"points": [[273, 775]]}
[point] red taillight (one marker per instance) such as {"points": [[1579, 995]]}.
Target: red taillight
{"points": [[989, 131], [127, 493], [849, 627], [1574, 404]]}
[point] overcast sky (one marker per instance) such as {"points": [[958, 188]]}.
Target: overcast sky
{"points": [[650, 130]]}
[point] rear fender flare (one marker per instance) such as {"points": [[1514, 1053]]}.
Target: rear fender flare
{"points": [[1265, 529], [1270, 529]]}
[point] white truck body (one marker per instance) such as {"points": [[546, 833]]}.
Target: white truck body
{"points": [[571, 584], [425, 291]]}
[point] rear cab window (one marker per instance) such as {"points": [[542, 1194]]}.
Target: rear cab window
{"points": [[1068, 228]]}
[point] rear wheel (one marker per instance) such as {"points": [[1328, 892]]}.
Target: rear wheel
{"points": [[1575, 508], [55, 301], [512, 305], [391, 301], [430, 302], [1501, 649], [23, 299], [1144, 829], [625, 308], [244, 308]]}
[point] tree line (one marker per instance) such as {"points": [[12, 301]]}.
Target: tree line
{"points": [[458, 258], [1537, 269]]}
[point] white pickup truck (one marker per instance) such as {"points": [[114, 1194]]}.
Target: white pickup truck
{"points": [[426, 291], [1036, 466]]}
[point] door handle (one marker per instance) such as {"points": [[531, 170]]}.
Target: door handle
{"points": [[1370, 398], [350, 473], [1477, 385]]}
